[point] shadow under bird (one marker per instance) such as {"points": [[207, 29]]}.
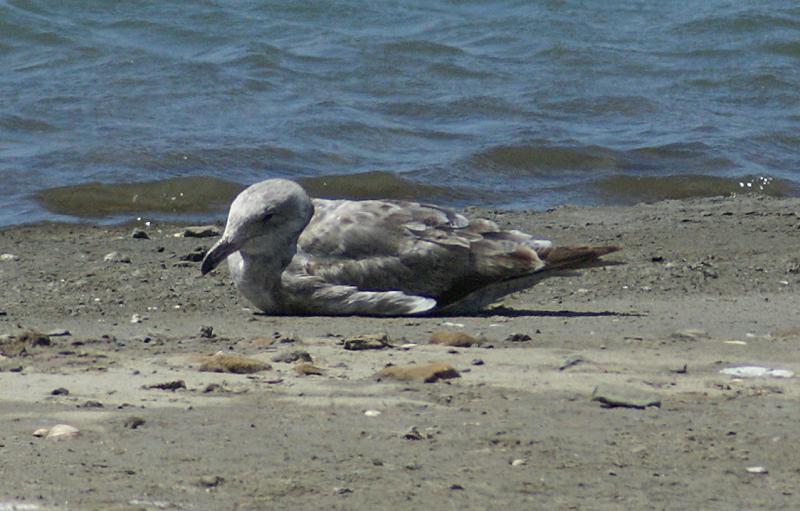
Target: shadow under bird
{"points": [[293, 255]]}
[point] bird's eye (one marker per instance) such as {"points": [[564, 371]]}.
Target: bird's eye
{"points": [[266, 217]]}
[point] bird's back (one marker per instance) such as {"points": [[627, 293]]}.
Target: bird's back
{"points": [[414, 248]]}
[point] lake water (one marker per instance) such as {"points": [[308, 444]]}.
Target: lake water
{"points": [[117, 108]]}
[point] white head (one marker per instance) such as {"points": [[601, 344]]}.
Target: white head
{"points": [[265, 220]]}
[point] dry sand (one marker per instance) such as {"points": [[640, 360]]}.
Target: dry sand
{"points": [[517, 430]]}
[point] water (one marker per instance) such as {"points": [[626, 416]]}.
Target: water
{"points": [[162, 108]]}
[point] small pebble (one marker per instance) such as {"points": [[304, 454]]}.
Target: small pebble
{"points": [[306, 369], [515, 337], [453, 338], [210, 481], [9, 257], [133, 422], [200, 231], [757, 470], [195, 256], [519, 461], [139, 234], [372, 413], [290, 357], [367, 342], [60, 391], [116, 257]]}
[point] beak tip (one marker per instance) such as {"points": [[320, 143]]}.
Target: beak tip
{"points": [[206, 266]]}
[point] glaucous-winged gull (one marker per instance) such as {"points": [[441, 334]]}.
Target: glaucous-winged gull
{"points": [[290, 254]]}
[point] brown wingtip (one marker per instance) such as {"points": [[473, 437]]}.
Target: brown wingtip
{"points": [[574, 257]]}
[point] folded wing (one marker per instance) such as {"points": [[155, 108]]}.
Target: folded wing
{"points": [[417, 249]]}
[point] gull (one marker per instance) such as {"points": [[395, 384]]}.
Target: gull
{"points": [[289, 254]]}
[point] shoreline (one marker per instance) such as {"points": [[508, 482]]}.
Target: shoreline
{"points": [[706, 284]]}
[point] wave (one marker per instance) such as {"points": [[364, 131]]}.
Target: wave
{"points": [[180, 195], [536, 159], [623, 189]]}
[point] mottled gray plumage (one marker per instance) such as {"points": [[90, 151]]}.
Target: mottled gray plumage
{"points": [[289, 254]]}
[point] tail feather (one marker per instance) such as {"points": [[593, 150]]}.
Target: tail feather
{"points": [[569, 258]]}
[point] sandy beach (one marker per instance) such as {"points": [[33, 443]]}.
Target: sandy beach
{"points": [[108, 333]]}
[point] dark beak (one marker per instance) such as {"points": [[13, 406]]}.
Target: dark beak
{"points": [[222, 249]]}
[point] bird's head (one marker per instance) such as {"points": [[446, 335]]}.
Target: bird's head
{"points": [[265, 220]]}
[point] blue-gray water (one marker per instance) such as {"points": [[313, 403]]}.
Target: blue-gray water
{"points": [[497, 103]]}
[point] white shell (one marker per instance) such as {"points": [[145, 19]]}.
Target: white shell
{"points": [[372, 413], [756, 372], [63, 431]]}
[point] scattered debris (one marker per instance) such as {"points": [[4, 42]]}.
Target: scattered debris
{"points": [[342, 490], [207, 332], [571, 362], [194, 256], [613, 396], [756, 372], [17, 346], [63, 432], [116, 257], [214, 388], [224, 363], [133, 422], [414, 433], [91, 404], [139, 234], [210, 481], [681, 370], [367, 342], [428, 373], [454, 339], [690, 334], [200, 231], [34, 338], [63, 332], [515, 337], [290, 357], [170, 385], [306, 369]]}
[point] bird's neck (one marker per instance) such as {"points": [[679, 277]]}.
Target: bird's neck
{"points": [[258, 277]]}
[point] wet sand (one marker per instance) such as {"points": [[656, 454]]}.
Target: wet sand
{"points": [[517, 429]]}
